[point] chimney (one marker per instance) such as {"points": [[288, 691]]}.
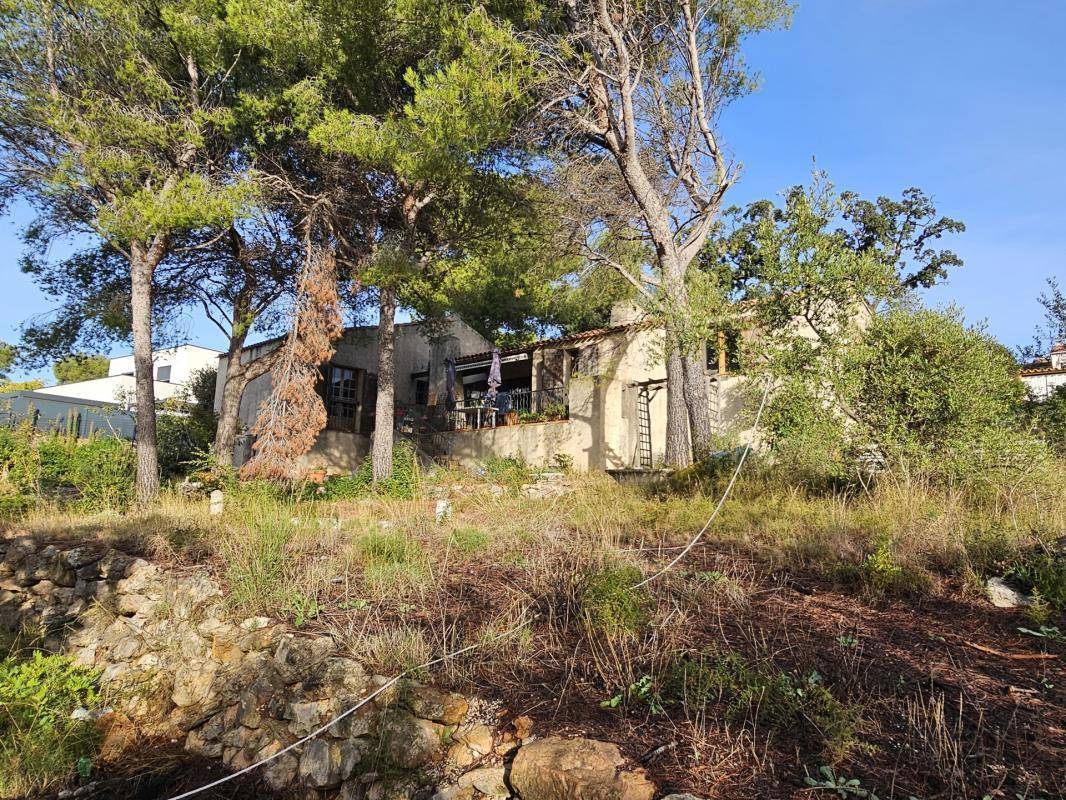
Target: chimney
{"points": [[626, 312], [1058, 355]]}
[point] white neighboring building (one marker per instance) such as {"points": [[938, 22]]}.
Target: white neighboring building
{"points": [[174, 368], [1045, 375]]}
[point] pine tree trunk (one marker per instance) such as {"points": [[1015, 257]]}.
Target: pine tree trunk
{"points": [[229, 412], [142, 264], [381, 457], [678, 452], [698, 403]]}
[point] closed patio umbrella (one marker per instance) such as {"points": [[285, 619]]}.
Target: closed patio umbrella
{"points": [[494, 374], [449, 383]]}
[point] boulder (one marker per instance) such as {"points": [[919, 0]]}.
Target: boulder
{"points": [[1003, 595], [325, 764], [471, 743], [296, 656], [576, 769]]}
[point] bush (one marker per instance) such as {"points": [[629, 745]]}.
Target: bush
{"points": [[39, 743], [187, 426], [1042, 573], [507, 471], [1047, 419], [19, 460], [15, 506], [401, 485], [921, 394], [102, 470], [99, 470], [763, 693], [611, 603]]}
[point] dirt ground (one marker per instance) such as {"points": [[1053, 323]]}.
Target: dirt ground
{"points": [[954, 701]]}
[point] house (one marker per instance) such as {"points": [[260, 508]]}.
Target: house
{"points": [[174, 369], [349, 386], [1044, 375], [595, 400]]}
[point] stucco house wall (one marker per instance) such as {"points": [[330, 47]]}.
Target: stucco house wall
{"points": [[183, 361], [1043, 376], [602, 430]]}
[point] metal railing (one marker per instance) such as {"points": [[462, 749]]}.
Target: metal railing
{"points": [[513, 407]]}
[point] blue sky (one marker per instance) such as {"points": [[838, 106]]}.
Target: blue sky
{"points": [[966, 100]]}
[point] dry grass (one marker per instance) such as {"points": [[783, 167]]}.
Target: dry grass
{"points": [[398, 588]]}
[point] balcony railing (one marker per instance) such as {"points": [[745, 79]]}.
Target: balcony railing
{"points": [[513, 407]]}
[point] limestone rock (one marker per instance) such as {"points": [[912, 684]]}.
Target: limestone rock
{"points": [[280, 772], [576, 769], [320, 764], [306, 716], [472, 742], [297, 656], [192, 683], [408, 741], [444, 707], [487, 780], [1003, 595]]}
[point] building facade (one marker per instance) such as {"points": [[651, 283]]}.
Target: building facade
{"points": [[174, 369], [1045, 375], [594, 400]]}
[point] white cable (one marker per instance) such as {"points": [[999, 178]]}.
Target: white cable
{"points": [[721, 501], [351, 710], [468, 648]]}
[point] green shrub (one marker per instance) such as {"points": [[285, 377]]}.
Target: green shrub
{"points": [[401, 485], [15, 506], [507, 471], [187, 425], [340, 487], [102, 470], [55, 457], [612, 604], [39, 742], [765, 694], [468, 540], [19, 459], [1044, 574]]}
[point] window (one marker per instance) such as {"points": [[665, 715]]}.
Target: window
{"points": [[421, 392], [342, 397], [163, 373]]}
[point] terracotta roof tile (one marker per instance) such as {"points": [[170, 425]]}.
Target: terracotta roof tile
{"points": [[573, 338], [1032, 370]]}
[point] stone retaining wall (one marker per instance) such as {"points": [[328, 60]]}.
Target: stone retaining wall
{"points": [[175, 664]]}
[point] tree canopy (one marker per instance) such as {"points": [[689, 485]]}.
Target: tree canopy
{"points": [[80, 367]]}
